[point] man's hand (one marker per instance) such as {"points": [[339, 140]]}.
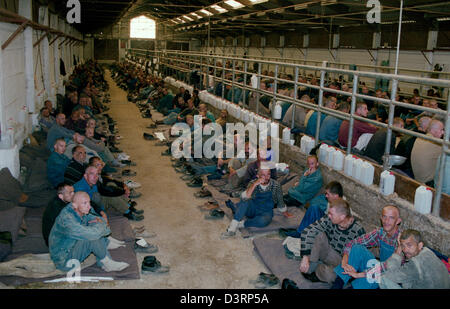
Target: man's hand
{"points": [[96, 220], [355, 274], [398, 250], [287, 214], [304, 264]]}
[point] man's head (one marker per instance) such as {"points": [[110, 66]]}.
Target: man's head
{"points": [[60, 146], [190, 120], [75, 115], [390, 219], [344, 107], [436, 128], [190, 103], [398, 123], [89, 132], [312, 162], [48, 105], [97, 163], [79, 154], [91, 123], [333, 191], [330, 102], [45, 112], [91, 175], [202, 108], [424, 122], [411, 243], [264, 174], [60, 119], [81, 203], [65, 192], [361, 109], [339, 211]]}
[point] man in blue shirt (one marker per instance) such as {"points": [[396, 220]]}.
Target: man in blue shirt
{"points": [[57, 163], [329, 130], [312, 122]]}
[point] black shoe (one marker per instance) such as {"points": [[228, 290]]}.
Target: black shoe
{"points": [[149, 137], [215, 214], [136, 211], [196, 183], [151, 264], [131, 216], [311, 277], [128, 172], [288, 284], [128, 162]]}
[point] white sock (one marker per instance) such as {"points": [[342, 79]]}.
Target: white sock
{"points": [[234, 225]]}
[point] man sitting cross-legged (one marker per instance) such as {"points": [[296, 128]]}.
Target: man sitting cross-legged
{"points": [[323, 242], [414, 266], [77, 233], [257, 203]]}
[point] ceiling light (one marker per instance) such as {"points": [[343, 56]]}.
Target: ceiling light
{"points": [[443, 18], [258, 1], [196, 15], [188, 18], [219, 9], [206, 12], [234, 4]]}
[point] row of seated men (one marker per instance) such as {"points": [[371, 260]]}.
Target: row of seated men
{"points": [[334, 245], [80, 168]]}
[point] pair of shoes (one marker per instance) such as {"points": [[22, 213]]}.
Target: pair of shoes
{"points": [[152, 265], [187, 177], [195, 183], [134, 194], [123, 156], [311, 277], [265, 281], [128, 172], [133, 217], [128, 162], [286, 232], [288, 284], [149, 137], [132, 184], [202, 194], [215, 214], [141, 246]]}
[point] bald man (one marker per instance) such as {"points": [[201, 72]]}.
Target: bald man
{"points": [[356, 260], [77, 233]]}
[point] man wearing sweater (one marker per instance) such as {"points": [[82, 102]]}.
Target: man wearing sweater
{"points": [[323, 242]]}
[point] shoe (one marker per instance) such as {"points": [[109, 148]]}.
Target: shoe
{"points": [[195, 183], [134, 194], [202, 194], [265, 281], [152, 265], [157, 122], [128, 172], [128, 162], [311, 277], [288, 284], [123, 156], [132, 184], [149, 137], [131, 216], [215, 214], [290, 255], [141, 246], [108, 265], [187, 177], [227, 234], [136, 211]]}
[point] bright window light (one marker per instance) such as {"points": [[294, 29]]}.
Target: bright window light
{"points": [[207, 13], [196, 15], [234, 4], [188, 18], [142, 28], [219, 8]]}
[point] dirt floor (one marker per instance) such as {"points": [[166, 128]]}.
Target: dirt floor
{"points": [[188, 243]]}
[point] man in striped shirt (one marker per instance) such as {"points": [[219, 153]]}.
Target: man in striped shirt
{"points": [[323, 242], [357, 261]]}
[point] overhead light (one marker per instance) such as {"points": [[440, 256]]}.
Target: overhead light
{"points": [[187, 17], [207, 13], [234, 4], [300, 6], [443, 18], [196, 15], [260, 14], [258, 1], [219, 9]]}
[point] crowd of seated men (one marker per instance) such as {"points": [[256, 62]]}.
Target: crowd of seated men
{"points": [[333, 245]]}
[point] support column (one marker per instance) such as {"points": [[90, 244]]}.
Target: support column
{"points": [[376, 43], [44, 20], [25, 9]]}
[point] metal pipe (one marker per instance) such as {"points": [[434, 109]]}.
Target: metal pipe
{"points": [[259, 87], [232, 82], [387, 148], [245, 83], [295, 97], [322, 82], [275, 92], [352, 112]]}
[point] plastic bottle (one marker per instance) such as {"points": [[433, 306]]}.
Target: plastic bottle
{"points": [[367, 173], [330, 154], [348, 164], [338, 160], [423, 199], [357, 169], [277, 111], [387, 183], [286, 135], [323, 153], [274, 129]]}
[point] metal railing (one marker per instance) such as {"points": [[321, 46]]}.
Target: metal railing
{"points": [[185, 63]]}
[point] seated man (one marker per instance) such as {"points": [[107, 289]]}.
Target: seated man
{"points": [[299, 117], [257, 203], [58, 130], [202, 108], [329, 130], [318, 207], [359, 127], [308, 186], [413, 266], [354, 266], [46, 121], [75, 170], [57, 163], [311, 126], [323, 242], [64, 196], [77, 233]]}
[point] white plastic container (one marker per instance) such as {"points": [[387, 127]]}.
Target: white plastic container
{"points": [[286, 135], [274, 129], [338, 160], [330, 155], [357, 169], [277, 111], [348, 164], [306, 144], [323, 153], [367, 173], [423, 200], [387, 183]]}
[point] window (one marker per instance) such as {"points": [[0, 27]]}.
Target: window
{"points": [[142, 28]]}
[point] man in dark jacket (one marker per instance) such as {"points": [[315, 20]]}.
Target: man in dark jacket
{"points": [[75, 169]]}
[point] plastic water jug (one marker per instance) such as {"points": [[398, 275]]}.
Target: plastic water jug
{"points": [[286, 135], [277, 111], [303, 142], [246, 116], [330, 154], [367, 173], [348, 164], [387, 182], [323, 153], [423, 200], [274, 130], [357, 169], [338, 160]]}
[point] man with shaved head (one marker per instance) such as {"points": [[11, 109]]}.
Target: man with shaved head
{"points": [[357, 259], [77, 233]]}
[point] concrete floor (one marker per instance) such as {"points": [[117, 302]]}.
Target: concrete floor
{"points": [[187, 242]]}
